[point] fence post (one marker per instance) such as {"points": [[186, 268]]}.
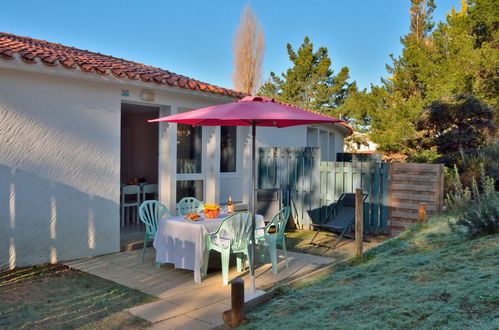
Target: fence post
{"points": [[235, 316], [422, 212], [359, 221]]}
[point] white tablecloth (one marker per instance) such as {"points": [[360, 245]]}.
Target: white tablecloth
{"points": [[181, 242]]}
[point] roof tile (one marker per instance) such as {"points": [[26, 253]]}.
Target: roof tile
{"points": [[52, 54]]}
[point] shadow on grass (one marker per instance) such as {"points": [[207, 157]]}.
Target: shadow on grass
{"points": [[299, 241], [53, 296]]}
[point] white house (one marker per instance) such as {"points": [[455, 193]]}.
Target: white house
{"points": [[360, 143], [73, 128]]}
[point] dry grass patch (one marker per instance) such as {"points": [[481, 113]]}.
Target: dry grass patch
{"points": [[55, 297], [299, 241]]}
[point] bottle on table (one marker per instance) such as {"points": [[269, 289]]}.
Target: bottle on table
{"points": [[230, 206]]}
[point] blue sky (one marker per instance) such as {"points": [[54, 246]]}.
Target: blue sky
{"points": [[194, 38]]}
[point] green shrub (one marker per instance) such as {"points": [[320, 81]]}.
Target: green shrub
{"points": [[458, 196], [424, 156], [470, 164], [479, 211]]}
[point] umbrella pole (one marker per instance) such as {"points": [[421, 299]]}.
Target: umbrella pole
{"points": [[253, 207]]}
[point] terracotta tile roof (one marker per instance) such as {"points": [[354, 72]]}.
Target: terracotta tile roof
{"points": [[32, 50], [346, 125]]}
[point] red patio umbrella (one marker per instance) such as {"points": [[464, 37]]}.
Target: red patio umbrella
{"points": [[250, 111]]}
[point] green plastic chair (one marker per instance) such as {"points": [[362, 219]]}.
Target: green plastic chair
{"points": [[189, 205], [150, 212], [274, 236], [232, 236]]}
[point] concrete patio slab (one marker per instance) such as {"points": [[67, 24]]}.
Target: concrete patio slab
{"points": [[184, 303], [182, 322], [159, 310], [211, 314]]}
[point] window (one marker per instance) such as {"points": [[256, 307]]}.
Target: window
{"points": [[189, 146], [228, 148], [189, 188]]}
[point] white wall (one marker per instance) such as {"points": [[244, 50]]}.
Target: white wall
{"points": [[60, 159], [295, 136], [59, 169], [328, 137]]}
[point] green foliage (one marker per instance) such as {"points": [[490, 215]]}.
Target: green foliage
{"points": [[458, 196], [424, 156], [310, 83], [455, 125], [421, 23], [458, 57], [479, 210], [470, 165]]}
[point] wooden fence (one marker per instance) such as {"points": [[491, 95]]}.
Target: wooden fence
{"points": [[311, 187], [410, 185], [296, 171]]}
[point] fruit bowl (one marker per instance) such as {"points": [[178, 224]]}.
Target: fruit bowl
{"points": [[211, 211], [192, 216]]}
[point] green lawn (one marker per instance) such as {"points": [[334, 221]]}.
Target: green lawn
{"points": [[429, 278], [55, 297]]}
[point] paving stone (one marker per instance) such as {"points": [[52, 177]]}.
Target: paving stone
{"points": [[182, 323], [201, 298], [211, 314], [185, 304], [158, 311]]}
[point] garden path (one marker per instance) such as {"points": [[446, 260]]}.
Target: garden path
{"points": [[182, 302]]}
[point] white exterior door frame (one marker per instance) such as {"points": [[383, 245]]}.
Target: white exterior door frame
{"points": [[232, 181]]}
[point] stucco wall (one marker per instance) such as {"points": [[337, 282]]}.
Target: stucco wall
{"points": [[59, 169], [60, 159], [295, 136]]}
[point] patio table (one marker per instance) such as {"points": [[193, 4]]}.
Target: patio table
{"points": [[182, 242]]}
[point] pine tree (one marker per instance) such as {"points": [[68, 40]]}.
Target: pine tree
{"points": [[404, 93], [310, 82], [421, 20], [459, 57]]}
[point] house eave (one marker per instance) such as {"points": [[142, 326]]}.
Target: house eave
{"points": [[347, 131], [110, 80]]}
